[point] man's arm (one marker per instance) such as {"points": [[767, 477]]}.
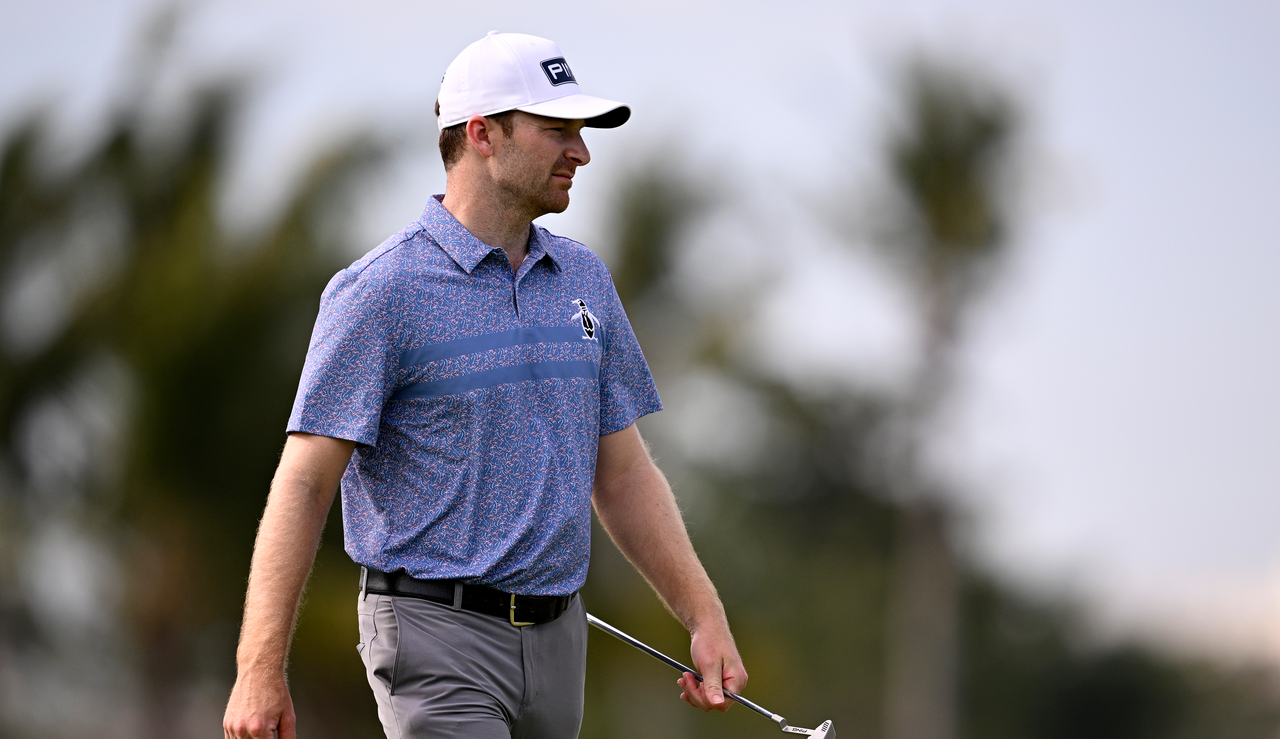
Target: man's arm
{"points": [[636, 506], [288, 536]]}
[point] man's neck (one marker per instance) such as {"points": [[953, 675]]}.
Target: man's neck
{"points": [[480, 213]]}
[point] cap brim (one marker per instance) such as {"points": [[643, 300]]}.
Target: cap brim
{"points": [[596, 112]]}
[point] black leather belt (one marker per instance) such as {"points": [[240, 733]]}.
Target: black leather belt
{"points": [[519, 610]]}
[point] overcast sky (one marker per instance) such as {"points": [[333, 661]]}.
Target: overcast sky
{"points": [[1119, 421]]}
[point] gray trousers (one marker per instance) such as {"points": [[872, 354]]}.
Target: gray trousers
{"points": [[441, 673]]}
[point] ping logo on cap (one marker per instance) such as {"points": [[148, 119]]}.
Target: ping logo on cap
{"points": [[558, 72]]}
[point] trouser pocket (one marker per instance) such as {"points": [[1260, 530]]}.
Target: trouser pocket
{"points": [[379, 638]]}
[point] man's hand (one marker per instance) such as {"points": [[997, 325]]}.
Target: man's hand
{"points": [[260, 708], [716, 657]]}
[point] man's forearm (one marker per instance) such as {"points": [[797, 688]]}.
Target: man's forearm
{"points": [[283, 554], [639, 512], [635, 505], [301, 494]]}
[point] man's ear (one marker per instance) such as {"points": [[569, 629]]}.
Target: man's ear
{"points": [[478, 130]]}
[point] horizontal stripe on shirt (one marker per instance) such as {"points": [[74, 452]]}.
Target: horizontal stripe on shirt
{"points": [[499, 340], [499, 376]]}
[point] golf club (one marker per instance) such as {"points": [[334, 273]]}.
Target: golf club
{"points": [[825, 731]]}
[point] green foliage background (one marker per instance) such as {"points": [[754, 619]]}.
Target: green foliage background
{"points": [[197, 338]]}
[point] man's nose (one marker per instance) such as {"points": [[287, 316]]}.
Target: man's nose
{"points": [[577, 151]]}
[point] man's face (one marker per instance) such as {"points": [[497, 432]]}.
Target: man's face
{"points": [[536, 164]]}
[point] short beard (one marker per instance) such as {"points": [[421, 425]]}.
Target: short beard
{"points": [[532, 191]]}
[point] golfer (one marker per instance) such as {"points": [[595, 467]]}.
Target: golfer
{"points": [[473, 384]]}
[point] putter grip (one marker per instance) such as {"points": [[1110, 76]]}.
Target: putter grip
{"points": [[611, 631]]}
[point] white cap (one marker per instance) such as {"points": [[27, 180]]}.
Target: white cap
{"points": [[513, 71]]}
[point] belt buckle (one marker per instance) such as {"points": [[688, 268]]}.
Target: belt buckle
{"points": [[511, 615]]}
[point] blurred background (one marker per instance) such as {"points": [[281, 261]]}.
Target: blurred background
{"points": [[963, 314]]}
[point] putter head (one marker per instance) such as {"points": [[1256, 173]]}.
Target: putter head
{"points": [[826, 731]]}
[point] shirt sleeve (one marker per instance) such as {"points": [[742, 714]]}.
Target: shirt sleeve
{"points": [[627, 391], [351, 363]]}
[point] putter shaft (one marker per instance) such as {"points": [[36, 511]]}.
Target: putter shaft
{"points": [[825, 731], [664, 658]]}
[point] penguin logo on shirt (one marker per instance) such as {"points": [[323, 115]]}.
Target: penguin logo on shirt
{"points": [[585, 318]]}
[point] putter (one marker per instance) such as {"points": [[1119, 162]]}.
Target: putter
{"points": [[825, 731]]}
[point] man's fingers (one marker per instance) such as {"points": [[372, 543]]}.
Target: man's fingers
{"points": [[716, 656], [254, 728], [259, 709], [711, 687], [702, 694], [260, 726], [693, 692], [735, 678]]}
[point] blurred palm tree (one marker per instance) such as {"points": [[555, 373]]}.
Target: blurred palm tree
{"points": [[140, 330], [828, 540], [950, 163], [148, 359]]}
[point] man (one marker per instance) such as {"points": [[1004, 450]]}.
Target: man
{"points": [[474, 383]]}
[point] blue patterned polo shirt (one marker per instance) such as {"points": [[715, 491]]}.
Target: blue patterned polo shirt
{"points": [[476, 398]]}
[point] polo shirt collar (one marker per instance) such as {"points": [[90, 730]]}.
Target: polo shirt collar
{"points": [[464, 248], [541, 245]]}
